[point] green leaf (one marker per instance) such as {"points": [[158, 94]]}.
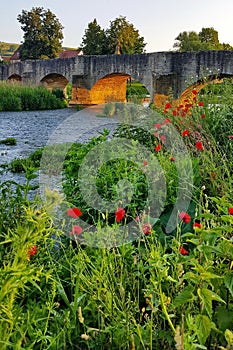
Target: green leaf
{"points": [[184, 297], [229, 337], [205, 296], [203, 328], [228, 280]]}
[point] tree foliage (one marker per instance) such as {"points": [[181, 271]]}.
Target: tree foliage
{"points": [[42, 34], [206, 39], [97, 41]]}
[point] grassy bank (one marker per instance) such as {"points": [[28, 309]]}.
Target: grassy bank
{"points": [[63, 286], [16, 97]]}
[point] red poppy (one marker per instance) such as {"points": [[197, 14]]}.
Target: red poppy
{"points": [[186, 101], [174, 112], [156, 134], [32, 251], [230, 211], [230, 136], [145, 162], [203, 115], [201, 104], [158, 147], [183, 251], [166, 121], [163, 138], [120, 213], [165, 111], [196, 224], [194, 100], [185, 217], [147, 228], [157, 126], [76, 230], [185, 133], [199, 145], [168, 105], [172, 159], [194, 92], [74, 212]]}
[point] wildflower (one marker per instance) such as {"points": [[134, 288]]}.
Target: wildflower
{"points": [[32, 251], [183, 251], [157, 126], [76, 230], [194, 92], [185, 133], [145, 162], [174, 112], [166, 121], [85, 336], [196, 224], [147, 228], [199, 146], [172, 159], [200, 104], [168, 105], [230, 211], [120, 213], [74, 212], [185, 217], [158, 147], [203, 115], [186, 101], [156, 134], [230, 136], [163, 138]]}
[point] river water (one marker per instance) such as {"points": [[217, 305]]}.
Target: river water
{"points": [[35, 129]]}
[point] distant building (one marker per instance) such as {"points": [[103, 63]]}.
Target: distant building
{"points": [[70, 53], [63, 54]]}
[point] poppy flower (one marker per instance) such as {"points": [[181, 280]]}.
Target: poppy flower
{"points": [[196, 224], [168, 105], [199, 146], [172, 159], [120, 213], [166, 121], [185, 217], [32, 251], [183, 251], [174, 112], [76, 230], [163, 138], [230, 136], [201, 104], [157, 126], [147, 228], [158, 147], [203, 115], [230, 211], [194, 92], [74, 212], [145, 162], [185, 133]]}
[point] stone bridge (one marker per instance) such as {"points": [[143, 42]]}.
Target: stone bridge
{"points": [[99, 79]]}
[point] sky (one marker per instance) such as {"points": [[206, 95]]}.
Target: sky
{"points": [[158, 21]]}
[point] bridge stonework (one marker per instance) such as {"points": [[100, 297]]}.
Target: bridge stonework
{"points": [[98, 79]]}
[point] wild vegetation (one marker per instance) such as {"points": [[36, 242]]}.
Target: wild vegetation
{"points": [[16, 97], [63, 286]]}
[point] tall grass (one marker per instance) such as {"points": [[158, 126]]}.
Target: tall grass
{"points": [[17, 97]]}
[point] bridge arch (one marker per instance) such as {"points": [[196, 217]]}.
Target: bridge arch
{"points": [[14, 78], [108, 88], [54, 81]]}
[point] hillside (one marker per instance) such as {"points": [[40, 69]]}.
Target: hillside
{"points": [[7, 49]]}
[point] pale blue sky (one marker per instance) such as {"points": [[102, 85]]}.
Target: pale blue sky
{"points": [[158, 21]]}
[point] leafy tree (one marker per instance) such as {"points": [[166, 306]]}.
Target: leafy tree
{"points": [[42, 34], [94, 41], [188, 41], [97, 41], [124, 32], [206, 39]]}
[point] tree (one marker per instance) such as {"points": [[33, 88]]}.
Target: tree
{"points": [[42, 34], [129, 39], [94, 41], [206, 39], [97, 41]]}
